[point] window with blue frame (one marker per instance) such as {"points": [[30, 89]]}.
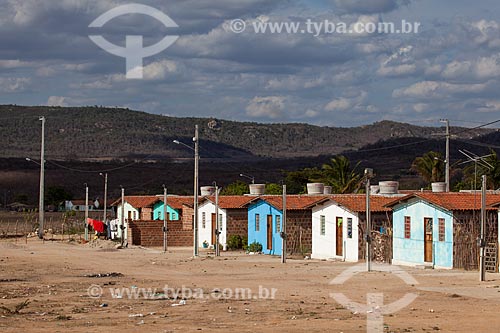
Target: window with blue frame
{"points": [[257, 222]]}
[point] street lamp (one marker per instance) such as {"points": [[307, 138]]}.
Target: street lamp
{"points": [[252, 178], [105, 194], [196, 179]]}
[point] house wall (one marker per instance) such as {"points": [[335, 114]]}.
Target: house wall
{"points": [[150, 234], [298, 228], [263, 209], [325, 246], [187, 217], [146, 213], [411, 251], [237, 222], [127, 208], [205, 230], [173, 214]]}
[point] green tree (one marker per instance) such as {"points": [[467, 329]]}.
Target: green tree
{"points": [[274, 189], [54, 195], [430, 167], [236, 188], [339, 174], [296, 181]]}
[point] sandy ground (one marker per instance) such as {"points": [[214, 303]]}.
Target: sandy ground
{"points": [[54, 277]]}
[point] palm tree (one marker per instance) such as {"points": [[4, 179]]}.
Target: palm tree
{"points": [[339, 174], [430, 167]]}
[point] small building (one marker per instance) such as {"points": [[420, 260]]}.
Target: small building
{"points": [[339, 225], [144, 220], [233, 219], [78, 205], [441, 229], [135, 208], [265, 223]]}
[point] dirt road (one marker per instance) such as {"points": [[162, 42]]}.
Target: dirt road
{"points": [[70, 288]]}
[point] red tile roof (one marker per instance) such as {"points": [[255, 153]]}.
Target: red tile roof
{"points": [[231, 201], [357, 202], [293, 202], [176, 202], [141, 201], [451, 200]]}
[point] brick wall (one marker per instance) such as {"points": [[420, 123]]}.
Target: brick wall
{"points": [[299, 231], [236, 222], [187, 217], [146, 214], [150, 233]]}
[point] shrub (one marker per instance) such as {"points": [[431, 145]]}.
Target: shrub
{"points": [[255, 247], [234, 242], [244, 242]]}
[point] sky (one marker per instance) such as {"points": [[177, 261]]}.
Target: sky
{"points": [[449, 68]]}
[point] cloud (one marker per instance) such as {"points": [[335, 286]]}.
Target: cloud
{"points": [[270, 107], [56, 101], [436, 90], [14, 63], [346, 103], [369, 6], [14, 85], [482, 68]]}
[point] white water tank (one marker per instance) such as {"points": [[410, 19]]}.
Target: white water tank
{"points": [[315, 188], [374, 189], [438, 187], [257, 189], [327, 190], [207, 190], [389, 187]]}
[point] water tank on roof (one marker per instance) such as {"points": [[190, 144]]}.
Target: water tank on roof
{"points": [[438, 187], [327, 190], [257, 189], [207, 190], [315, 188], [389, 187], [374, 189]]}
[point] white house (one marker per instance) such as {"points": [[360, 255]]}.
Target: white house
{"points": [[135, 208], [233, 219], [79, 205], [338, 225]]}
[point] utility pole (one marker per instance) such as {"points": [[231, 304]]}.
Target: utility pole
{"points": [[105, 196], [447, 162], [482, 237], [41, 206], [122, 220], [368, 236], [217, 250], [195, 204], [283, 229], [86, 212], [165, 217]]}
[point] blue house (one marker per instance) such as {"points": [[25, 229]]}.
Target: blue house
{"points": [[440, 229], [265, 223], [172, 213]]}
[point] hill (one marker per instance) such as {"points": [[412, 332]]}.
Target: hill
{"points": [[95, 133]]}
